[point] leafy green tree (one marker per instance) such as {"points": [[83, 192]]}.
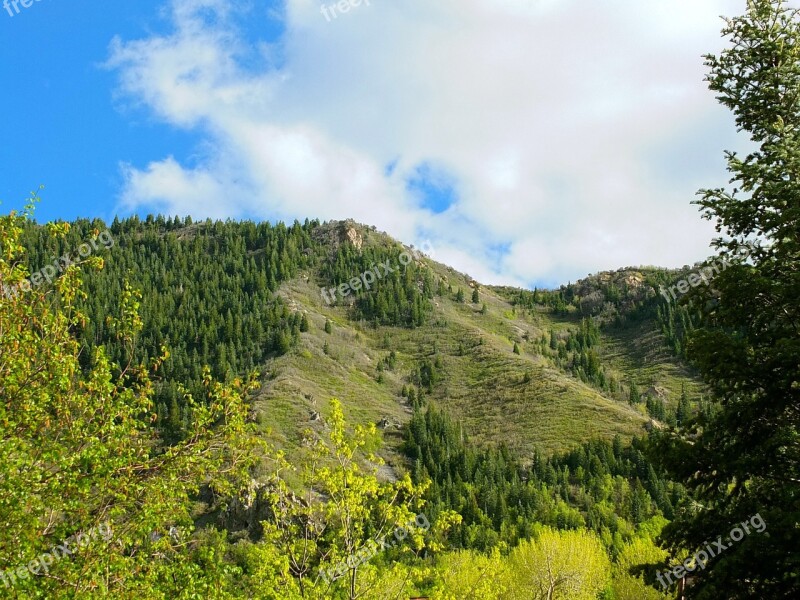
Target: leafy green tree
{"points": [[320, 539], [475, 296], [744, 459], [469, 575], [638, 562], [79, 453], [568, 565]]}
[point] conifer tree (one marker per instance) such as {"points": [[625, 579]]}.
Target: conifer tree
{"points": [[744, 458]]}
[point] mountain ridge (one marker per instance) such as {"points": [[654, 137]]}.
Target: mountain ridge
{"points": [[506, 365]]}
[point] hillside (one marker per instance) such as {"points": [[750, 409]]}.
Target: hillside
{"points": [[254, 286], [505, 413]]}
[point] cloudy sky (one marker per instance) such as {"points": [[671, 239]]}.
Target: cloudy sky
{"points": [[525, 141]]}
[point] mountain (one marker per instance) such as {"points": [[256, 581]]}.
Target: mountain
{"points": [[382, 379], [533, 370]]}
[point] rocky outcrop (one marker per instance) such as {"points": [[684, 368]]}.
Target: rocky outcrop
{"points": [[336, 233], [253, 505], [354, 237], [657, 392], [246, 511]]}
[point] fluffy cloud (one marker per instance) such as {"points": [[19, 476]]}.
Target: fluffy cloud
{"points": [[564, 126]]}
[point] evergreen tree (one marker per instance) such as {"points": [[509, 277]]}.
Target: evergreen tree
{"points": [[683, 412], [743, 459], [634, 396]]}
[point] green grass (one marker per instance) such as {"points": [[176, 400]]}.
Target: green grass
{"points": [[481, 384], [638, 351], [482, 388]]}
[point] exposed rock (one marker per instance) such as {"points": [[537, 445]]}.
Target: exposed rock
{"points": [[634, 279], [657, 392], [386, 473], [653, 424], [246, 511], [386, 423], [354, 237], [336, 233]]}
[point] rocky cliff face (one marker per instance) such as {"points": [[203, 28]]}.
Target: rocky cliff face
{"points": [[335, 233]]}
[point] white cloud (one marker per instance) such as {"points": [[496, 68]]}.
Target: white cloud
{"points": [[175, 190], [555, 118]]}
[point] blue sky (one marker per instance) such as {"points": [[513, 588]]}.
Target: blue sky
{"points": [[61, 126], [525, 142]]}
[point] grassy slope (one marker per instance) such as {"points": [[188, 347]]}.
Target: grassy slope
{"points": [[482, 382], [640, 353]]}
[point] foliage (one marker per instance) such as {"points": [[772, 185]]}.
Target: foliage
{"points": [[400, 297], [744, 458], [207, 292], [470, 575], [329, 501], [558, 565], [602, 486], [319, 537], [78, 450]]}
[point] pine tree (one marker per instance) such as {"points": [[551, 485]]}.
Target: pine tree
{"points": [[683, 412], [634, 396], [743, 459]]}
